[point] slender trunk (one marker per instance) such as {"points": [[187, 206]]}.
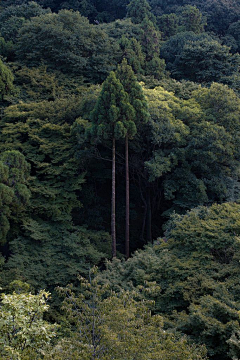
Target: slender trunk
{"points": [[149, 217], [144, 224], [113, 214], [127, 200]]}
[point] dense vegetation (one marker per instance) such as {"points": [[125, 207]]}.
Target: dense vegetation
{"points": [[119, 179]]}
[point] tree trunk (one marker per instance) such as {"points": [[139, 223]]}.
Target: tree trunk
{"points": [[149, 217], [127, 200], [113, 214]]}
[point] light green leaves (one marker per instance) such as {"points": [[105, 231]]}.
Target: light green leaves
{"points": [[23, 332]]}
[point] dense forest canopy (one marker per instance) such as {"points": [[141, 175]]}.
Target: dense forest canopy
{"points": [[120, 179]]}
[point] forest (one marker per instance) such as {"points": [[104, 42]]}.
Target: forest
{"points": [[120, 180]]}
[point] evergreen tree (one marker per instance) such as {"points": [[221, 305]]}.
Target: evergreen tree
{"points": [[150, 41], [132, 51], [136, 97], [112, 118]]}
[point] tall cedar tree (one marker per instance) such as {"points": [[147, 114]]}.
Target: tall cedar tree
{"points": [[112, 119], [141, 115]]}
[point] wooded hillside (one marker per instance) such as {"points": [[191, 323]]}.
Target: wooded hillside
{"points": [[120, 175]]}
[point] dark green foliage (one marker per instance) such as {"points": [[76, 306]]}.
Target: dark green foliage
{"points": [[196, 268], [168, 25], [122, 28], [195, 154], [49, 249], [150, 41], [112, 114], [140, 117], [187, 18], [137, 99], [68, 42], [113, 118], [205, 61], [49, 147], [14, 17], [173, 47], [14, 191], [220, 14], [132, 51], [190, 19], [234, 33], [199, 58], [138, 10], [184, 154], [6, 49], [51, 254]]}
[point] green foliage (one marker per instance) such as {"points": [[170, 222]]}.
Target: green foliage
{"points": [[234, 32], [24, 333], [132, 51], [196, 269], [49, 147], [191, 19], [14, 191], [150, 39], [220, 14], [14, 17], [6, 80], [38, 84], [136, 96], [112, 113], [221, 106], [168, 25], [234, 345], [67, 41], [121, 28], [173, 47], [220, 225], [6, 49], [205, 61], [138, 10], [199, 58], [52, 254], [191, 144], [118, 326], [185, 154], [187, 18], [46, 134]]}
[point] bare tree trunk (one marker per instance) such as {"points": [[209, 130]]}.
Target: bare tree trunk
{"points": [[149, 217], [113, 214], [127, 200]]}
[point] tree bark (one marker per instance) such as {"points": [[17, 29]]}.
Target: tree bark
{"points": [[149, 217], [127, 200], [113, 213]]}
